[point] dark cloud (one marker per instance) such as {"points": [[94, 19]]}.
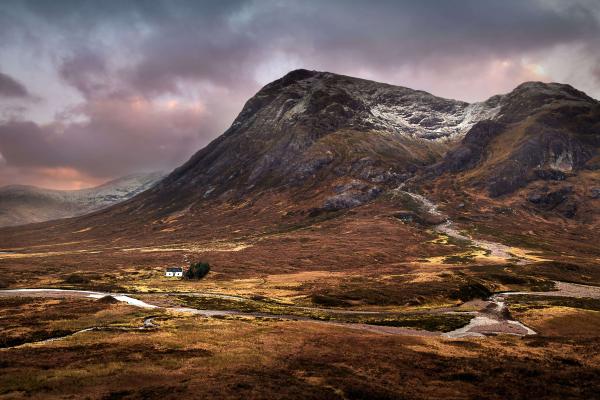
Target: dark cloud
{"points": [[224, 45], [86, 71], [119, 134], [10, 87], [157, 80]]}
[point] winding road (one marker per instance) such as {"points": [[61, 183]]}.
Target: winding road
{"points": [[492, 319]]}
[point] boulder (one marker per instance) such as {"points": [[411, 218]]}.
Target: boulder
{"points": [[549, 174], [556, 200], [351, 195], [549, 199]]}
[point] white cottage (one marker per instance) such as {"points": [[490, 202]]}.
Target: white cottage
{"points": [[174, 271]]}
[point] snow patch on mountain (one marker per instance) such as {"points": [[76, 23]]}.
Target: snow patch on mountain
{"points": [[430, 124]]}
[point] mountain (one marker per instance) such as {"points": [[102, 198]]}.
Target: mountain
{"points": [[313, 144], [351, 139], [26, 204], [320, 131]]}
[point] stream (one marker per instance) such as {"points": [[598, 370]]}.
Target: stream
{"points": [[495, 318], [448, 228]]}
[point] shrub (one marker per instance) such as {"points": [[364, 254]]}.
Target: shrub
{"points": [[329, 301], [197, 270], [75, 279], [471, 291]]}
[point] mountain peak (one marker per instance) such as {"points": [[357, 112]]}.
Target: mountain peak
{"points": [[550, 91], [325, 101], [530, 98]]}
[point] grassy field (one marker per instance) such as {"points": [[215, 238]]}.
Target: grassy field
{"points": [[195, 357]]}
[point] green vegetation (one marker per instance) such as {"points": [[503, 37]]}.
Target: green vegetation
{"points": [[197, 270], [328, 301], [525, 302], [459, 259], [428, 322], [520, 278], [76, 279], [247, 306], [34, 336]]}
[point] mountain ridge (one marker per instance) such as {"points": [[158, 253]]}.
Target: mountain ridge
{"points": [[325, 104]]}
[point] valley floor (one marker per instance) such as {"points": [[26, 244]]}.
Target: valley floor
{"points": [[193, 356], [357, 306]]}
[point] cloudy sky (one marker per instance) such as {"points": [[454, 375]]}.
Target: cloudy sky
{"points": [[93, 90]]}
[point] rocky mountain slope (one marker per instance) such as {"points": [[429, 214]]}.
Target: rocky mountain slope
{"points": [[545, 138], [26, 204]]}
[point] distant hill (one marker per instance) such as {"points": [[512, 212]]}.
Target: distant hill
{"points": [[21, 204]]}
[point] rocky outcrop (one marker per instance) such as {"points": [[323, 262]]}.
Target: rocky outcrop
{"points": [[558, 199], [472, 148], [549, 175], [352, 194]]}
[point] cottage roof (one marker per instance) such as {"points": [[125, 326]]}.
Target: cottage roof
{"points": [[175, 269]]}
